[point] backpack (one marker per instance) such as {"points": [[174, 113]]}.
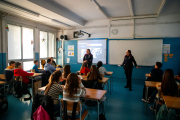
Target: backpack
{"points": [[3, 104], [41, 114], [102, 117], [17, 93], [163, 114]]}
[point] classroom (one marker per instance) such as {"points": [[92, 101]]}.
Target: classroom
{"points": [[89, 60]]}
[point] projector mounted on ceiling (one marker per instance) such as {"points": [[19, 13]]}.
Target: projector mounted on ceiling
{"points": [[79, 34]]}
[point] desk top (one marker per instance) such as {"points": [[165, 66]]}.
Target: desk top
{"points": [[2, 82], [104, 79], [36, 74], [109, 73], [172, 102], [150, 83], [147, 75], [93, 94], [56, 69]]}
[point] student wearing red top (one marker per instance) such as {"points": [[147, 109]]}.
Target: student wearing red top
{"points": [[84, 69], [20, 72]]}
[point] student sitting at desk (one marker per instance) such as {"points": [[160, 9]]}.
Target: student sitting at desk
{"points": [[53, 62], [168, 86], [66, 72], [54, 89], [92, 79], [73, 90], [155, 75], [49, 67], [35, 67], [9, 71], [101, 69], [20, 72], [84, 69]]}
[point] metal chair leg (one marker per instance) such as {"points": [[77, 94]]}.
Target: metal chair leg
{"points": [[88, 116]]}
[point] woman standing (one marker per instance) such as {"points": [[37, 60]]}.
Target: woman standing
{"points": [[88, 57], [128, 66]]}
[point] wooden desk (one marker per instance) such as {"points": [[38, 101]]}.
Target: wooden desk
{"points": [[57, 69], [3, 82], [93, 94], [148, 84], [109, 73], [104, 79], [33, 77], [172, 102]]}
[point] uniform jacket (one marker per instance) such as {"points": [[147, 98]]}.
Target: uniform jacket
{"points": [[49, 67], [89, 58], [128, 62]]}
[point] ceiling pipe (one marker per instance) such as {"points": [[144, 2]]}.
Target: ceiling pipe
{"points": [[161, 7], [99, 7]]}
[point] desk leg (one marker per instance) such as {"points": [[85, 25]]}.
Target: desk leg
{"points": [[97, 109], [4, 89], [110, 85], [32, 89], [107, 89], [112, 82], [146, 100], [158, 102]]}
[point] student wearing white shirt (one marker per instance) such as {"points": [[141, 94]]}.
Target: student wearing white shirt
{"points": [[101, 69]]}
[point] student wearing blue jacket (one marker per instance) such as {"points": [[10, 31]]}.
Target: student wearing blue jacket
{"points": [[49, 67], [35, 67]]}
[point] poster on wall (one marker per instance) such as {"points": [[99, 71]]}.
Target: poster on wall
{"points": [[70, 47], [70, 53], [166, 48]]}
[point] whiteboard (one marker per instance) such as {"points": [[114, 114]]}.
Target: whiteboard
{"points": [[145, 52]]}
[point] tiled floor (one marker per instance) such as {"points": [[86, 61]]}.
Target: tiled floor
{"points": [[122, 104]]}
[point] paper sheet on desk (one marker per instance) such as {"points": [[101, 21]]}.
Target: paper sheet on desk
{"points": [[68, 60]]}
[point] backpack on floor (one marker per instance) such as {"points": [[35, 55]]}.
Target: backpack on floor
{"points": [[17, 93], [3, 104], [102, 117], [163, 114]]}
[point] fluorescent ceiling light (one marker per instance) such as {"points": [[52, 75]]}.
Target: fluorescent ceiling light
{"points": [[7, 4], [56, 21]]}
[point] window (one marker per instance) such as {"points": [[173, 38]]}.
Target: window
{"points": [[43, 44], [14, 42], [28, 43], [20, 46], [51, 45]]}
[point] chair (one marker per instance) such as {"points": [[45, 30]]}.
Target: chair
{"points": [[69, 107], [45, 77]]}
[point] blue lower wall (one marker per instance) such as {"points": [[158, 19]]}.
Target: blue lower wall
{"points": [[37, 57], [118, 72], [2, 62]]}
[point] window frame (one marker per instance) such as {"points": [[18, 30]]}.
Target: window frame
{"points": [[21, 29]]}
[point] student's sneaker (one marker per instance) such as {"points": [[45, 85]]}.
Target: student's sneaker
{"points": [[151, 107]]}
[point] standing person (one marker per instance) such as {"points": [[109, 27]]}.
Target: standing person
{"points": [[88, 57], [128, 65]]}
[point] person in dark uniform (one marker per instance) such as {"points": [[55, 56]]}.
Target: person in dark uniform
{"points": [[88, 57], [128, 66]]}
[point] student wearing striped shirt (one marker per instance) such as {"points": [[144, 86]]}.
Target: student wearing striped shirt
{"points": [[54, 89], [73, 90]]}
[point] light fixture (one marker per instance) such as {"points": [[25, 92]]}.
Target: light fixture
{"points": [[7, 4], [79, 34], [56, 21]]}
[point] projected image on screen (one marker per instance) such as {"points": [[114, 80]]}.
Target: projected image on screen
{"points": [[97, 47]]}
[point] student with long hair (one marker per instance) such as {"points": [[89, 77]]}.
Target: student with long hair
{"points": [[66, 72], [168, 86], [54, 89], [84, 69], [73, 90], [93, 77]]}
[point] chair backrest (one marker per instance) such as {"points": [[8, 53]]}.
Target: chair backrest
{"points": [[102, 75], [70, 105], [33, 70], [2, 76]]}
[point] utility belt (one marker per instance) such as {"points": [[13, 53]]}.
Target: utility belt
{"points": [[127, 66]]}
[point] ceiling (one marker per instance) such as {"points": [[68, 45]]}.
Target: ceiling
{"points": [[77, 12]]}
